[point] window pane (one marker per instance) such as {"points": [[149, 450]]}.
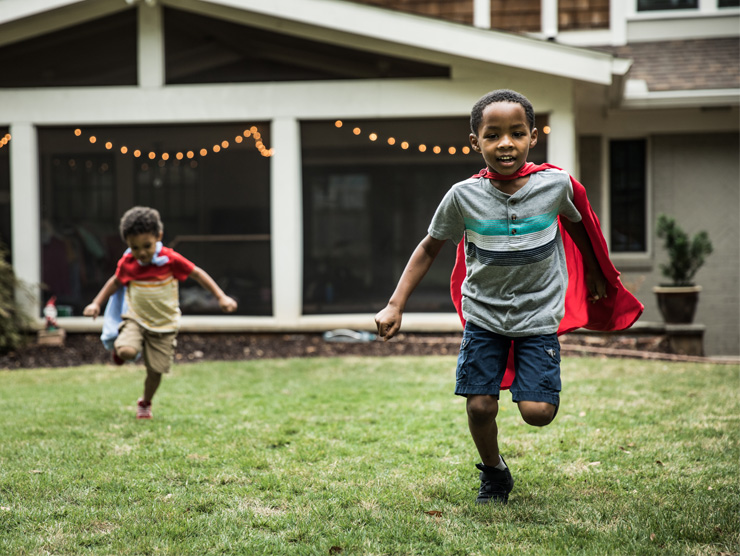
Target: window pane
{"points": [[5, 146], [367, 204], [729, 3], [628, 196], [649, 5], [215, 207]]}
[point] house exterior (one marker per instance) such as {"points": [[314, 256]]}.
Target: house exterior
{"points": [[296, 149]]}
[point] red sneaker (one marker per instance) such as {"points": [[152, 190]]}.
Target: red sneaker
{"points": [[116, 360], [143, 410]]}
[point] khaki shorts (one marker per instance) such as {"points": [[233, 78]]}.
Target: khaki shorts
{"points": [[157, 348]]}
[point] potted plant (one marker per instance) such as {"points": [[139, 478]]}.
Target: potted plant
{"points": [[677, 299]]}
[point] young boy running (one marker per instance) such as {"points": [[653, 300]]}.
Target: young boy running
{"points": [[150, 272], [515, 281]]}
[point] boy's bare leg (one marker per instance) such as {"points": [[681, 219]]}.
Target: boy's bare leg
{"points": [[151, 384], [482, 411], [127, 353], [537, 414]]}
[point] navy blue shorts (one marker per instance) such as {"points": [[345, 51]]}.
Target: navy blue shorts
{"points": [[482, 363]]}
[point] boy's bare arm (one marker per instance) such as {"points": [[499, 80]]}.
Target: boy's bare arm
{"points": [[227, 304], [388, 320], [110, 287], [595, 281]]}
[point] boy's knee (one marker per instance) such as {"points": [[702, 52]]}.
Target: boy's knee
{"points": [[537, 414], [482, 408], [126, 353]]}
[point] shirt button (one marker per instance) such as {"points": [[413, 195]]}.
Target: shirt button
{"points": [[513, 232], [513, 216]]}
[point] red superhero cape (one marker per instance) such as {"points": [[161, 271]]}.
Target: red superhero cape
{"points": [[618, 311]]}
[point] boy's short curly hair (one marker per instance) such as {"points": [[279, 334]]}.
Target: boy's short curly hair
{"points": [[140, 220], [500, 95]]}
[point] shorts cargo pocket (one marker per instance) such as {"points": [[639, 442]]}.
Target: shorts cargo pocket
{"points": [[462, 359], [551, 367]]}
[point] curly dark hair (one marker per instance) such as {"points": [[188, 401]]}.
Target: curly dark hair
{"points": [[140, 220], [500, 95]]}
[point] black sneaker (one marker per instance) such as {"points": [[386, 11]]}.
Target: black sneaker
{"points": [[495, 484]]}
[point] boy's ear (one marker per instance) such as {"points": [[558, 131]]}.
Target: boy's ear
{"points": [[474, 142], [533, 139], [160, 236]]}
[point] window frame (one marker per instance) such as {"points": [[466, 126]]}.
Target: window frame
{"points": [[636, 259], [706, 8]]}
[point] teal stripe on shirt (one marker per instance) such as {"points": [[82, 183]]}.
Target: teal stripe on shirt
{"points": [[529, 225]]}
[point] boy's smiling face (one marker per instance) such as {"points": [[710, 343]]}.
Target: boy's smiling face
{"points": [[504, 137], [143, 246]]}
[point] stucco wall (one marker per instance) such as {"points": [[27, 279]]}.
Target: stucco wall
{"points": [[696, 179]]}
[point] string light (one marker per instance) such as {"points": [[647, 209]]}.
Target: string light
{"points": [[5, 140], [546, 130], [252, 132], [405, 145]]}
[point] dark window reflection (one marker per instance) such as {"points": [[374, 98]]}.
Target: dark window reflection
{"points": [[649, 5], [628, 195], [215, 207], [367, 204]]}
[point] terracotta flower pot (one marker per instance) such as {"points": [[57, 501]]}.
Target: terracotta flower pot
{"points": [[677, 304]]}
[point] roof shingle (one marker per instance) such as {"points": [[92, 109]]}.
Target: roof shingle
{"points": [[683, 65]]}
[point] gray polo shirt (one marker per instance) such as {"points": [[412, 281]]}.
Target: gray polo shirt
{"points": [[516, 269]]}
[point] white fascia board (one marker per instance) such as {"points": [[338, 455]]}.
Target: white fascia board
{"points": [[237, 102], [635, 98], [430, 34]]}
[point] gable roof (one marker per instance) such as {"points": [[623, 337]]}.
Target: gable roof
{"points": [[339, 21]]}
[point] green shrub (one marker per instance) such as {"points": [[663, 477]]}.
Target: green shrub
{"points": [[685, 256], [12, 320]]}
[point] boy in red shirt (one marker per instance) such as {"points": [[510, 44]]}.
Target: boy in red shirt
{"points": [[150, 272]]}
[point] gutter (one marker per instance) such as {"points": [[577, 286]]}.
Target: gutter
{"points": [[638, 96]]}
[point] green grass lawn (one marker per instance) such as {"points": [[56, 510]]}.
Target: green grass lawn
{"points": [[365, 456]]}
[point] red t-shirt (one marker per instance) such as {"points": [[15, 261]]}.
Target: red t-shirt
{"points": [[152, 292]]}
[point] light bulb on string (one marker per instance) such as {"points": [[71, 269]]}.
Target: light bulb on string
{"points": [[253, 132]]}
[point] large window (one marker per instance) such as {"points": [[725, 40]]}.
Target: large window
{"points": [[214, 205], [628, 189], [368, 203]]}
